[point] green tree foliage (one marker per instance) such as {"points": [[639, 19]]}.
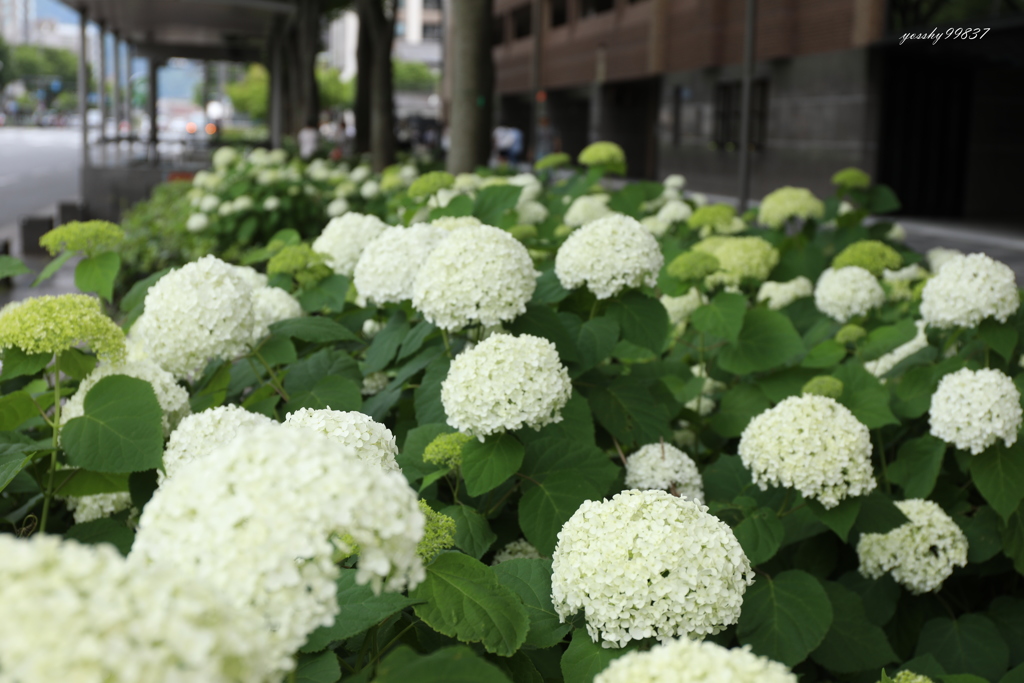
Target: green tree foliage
{"points": [[413, 76]]}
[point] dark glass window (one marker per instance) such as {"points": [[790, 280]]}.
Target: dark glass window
{"points": [[559, 12], [729, 113], [498, 30], [432, 32], [588, 7], [521, 21]]}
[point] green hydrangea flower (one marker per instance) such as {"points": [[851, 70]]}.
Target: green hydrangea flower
{"points": [[824, 385], [553, 160], [391, 178], [606, 154], [300, 262], [713, 216], [523, 231], [438, 534], [429, 183], [562, 230], [90, 237], [789, 202], [692, 266], [446, 450], [850, 334], [739, 258], [871, 255], [910, 677], [51, 324], [852, 178]]}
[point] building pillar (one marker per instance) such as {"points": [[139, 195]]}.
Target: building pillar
{"points": [[153, 136], [83, 86], [748, 75], [276, 113], [129, 95], [117, 95], [101, 87]]}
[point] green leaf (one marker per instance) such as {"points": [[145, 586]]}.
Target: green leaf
{"points": [[487, 465], [531, 581], [456, 664], [839, 519], [596, 340], [852, 643], [864, 395], [15, 409], [585, 659], [879, 597], [473, 533], [917, 465], [76, 364], [786, 617], [971, 644], [465, 601], [1008, 615], [107, 530], [1000, 337], [766, 341], [643, 320], [13, 459], [1013, 539], [359, 610], [722, 317], [886, 338], [629, 198], [827, 354], [336, 393], [878, 514], [577, 424], [136, 296], [494, 202], [76, 482], [1015, 675], [629, 411], [982, 529], [97, 274], [385, 344], [549, 290], [121, 430], [739, 406], [998, 472], [276, 350], [214, 392], [427, 397], [760, 534], [323, 668], [11, 266], [413, 341], [461, 205], [328, 294], [881, 199], [542, 321], [52, 267], [17, 363], [313, 329], [303, 375], [410, 458]]}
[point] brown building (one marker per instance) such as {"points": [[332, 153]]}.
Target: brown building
{"points": [[834, 86]]}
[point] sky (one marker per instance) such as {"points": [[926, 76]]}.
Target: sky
{"points": [[52, 9]]}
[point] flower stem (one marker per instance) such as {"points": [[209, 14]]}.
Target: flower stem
{"points": [[56, 438], [274, 381], [447, 344], [881, 457]]}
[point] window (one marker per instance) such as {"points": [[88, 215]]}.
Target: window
{"points": [[521, 20], [589, 7], [498, 30], [729, 112], [432, 32], [559, 12]]}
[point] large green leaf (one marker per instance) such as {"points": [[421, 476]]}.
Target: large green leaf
{"points": [[96, 274], [121, 429], [313, 329], [643, 320], [785, 617], [17, 363], [106, 530], [982, 529], [629, 411], [15, 409], [852, 643], [878, 514], [410, 458], [917, 465], [722, 317], [884, 339], [328, 295], [596, 340], [766, 341], [1008, 615], [549, 289], [359, 609], [385, 344], [11, 266], [971, 644], [136, 296], [76, 364], [213, 392], [998, 472], [493, 204], [531, 581], [542, 321], [840, 518], [760, 534], [739, 406], [584, 658], [473, 534], [322, 668], [52, 267], [826, 354], [414, 340], [487, 465], [1013, 539], [864, 395], [70, 481], [1000, 337], [336, 393], [427, 397], [14, 457], [463, 599], [457, 664]]}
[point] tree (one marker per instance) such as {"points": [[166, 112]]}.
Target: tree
{"points": [[379, 17], [5, 64], [413, 76], [40, 68], [249, 95], [472, 84], [334, 92]]}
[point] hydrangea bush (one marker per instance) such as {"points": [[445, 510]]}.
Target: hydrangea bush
{"points": [[499, 427]]}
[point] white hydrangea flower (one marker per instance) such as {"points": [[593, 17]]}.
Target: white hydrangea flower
{"points": [[467, 182], [505, 383], [252, 277], [197, 222], [387, 268], [374, 383], [75, 612], [98, 505], [698, 198], [370, 440], [847, 292], [532, 213], [272, 305], [789, 202], [711, 386], [968, 289], [520, 549], [664, 467], [647, 564], [271, 203], [897, 233], [243, 203], [371, 327], [680, 308], [343, 240], [655, 225], [694, 661], [674, 181], [702, 405], [442, 198], [674, 211], [337, 207], [587, 209], [940, 256], [451, 223], [609, 255], [200, 434], [477, 274], [812, 444], [225, 157], [921, 553], [369, 189], [209, 203], [881, 366], [972, 409], [530, 184], [359, 174], [200, 311], [262, 518], [267, 176], [781, 294], [910, 273]]}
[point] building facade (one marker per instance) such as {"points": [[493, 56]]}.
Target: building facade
{"points": [[17, 18], [833, 87]]}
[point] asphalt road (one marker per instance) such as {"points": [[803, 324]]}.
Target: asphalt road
{"points": [[38, 168]]}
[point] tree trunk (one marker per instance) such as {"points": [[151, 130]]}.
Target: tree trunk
{"points": [[300, 95], [472, 85], [364, 68], [380, 20]]}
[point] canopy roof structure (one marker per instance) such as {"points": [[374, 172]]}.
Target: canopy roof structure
{"points": [[235, 30]]}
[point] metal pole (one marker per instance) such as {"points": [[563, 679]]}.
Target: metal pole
{"points": [[275, 91], [101, 86], [748, 73], [152, 110], [83, 87], [130, 52], [117, 95]]}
